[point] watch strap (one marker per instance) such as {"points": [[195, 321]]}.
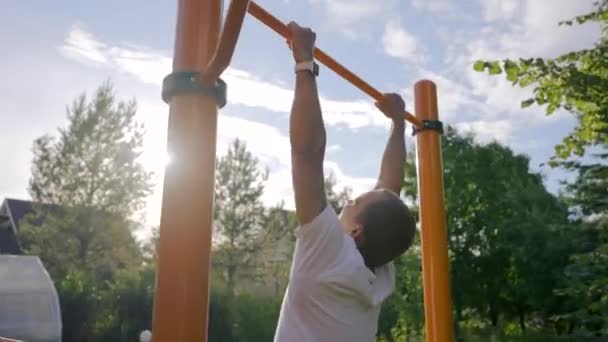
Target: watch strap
{"points": [[310, 66]]}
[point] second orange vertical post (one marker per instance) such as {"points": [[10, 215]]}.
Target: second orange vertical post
{"points": [[436, 276]]}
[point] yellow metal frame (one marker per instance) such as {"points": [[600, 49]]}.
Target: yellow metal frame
{"points": [[182, 284]]}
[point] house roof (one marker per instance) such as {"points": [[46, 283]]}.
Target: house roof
{"points": [[8, 240], [17, 209], [11, 213]]}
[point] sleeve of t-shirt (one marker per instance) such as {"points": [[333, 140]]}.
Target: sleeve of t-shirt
{"points": [[319, 244]]}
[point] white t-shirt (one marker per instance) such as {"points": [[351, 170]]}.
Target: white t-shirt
{"points": [[332, 296]]}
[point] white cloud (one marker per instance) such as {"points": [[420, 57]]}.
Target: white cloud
{"points": [[264, 141], [534, 33], [246, 89], [81, 44], [490, 106], [495, 10], [458, 106], [149, 65], [352, 10], [502, 97], [359, 185], [355, 18], [490, 115], [273, 150], [537, 34], [267, 143], [349, 11], [494, 115], [488, 131], [545, 38], [334, 148], [453, 97], [400, 43], [433, 5]]}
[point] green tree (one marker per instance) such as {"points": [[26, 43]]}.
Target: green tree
{"points": [[239, 211], [255, 317], [221, 319], [539, 248], [589, 193], [402, 315], [509, 238], [576, 81], [79, 238], [278, 240], [586, 285], [86, 184], [149, 248], [125, 306], [278, 237], [337, 198], [78, 298], [504, 232], [94, 162]]}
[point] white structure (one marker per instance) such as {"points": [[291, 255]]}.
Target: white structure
{"points": [[29, 305], [145, 336]]}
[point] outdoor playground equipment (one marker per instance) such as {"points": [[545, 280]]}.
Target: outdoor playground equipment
{"points": [[194, 92]]}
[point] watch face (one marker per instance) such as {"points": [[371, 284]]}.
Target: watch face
{"points": [[315, 69]]}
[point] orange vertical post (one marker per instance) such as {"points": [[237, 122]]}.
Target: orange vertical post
{"points": [[436, 276], [182, 282]]}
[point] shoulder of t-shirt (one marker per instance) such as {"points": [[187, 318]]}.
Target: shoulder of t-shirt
{"points": [[326, 219]]}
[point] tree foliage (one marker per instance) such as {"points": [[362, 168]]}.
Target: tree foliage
{"points": [[125, 306], [278, 237], [94, 161], [575, 81], [278, 241], [402, 315], [585, 286], [239, 211], [78, 299], [509, 238], [337, 198], [87, 184]]}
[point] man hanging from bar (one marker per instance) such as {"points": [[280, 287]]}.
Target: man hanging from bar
{"points": [[342, 266]]}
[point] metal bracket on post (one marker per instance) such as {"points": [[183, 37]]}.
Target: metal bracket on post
{"points": [[434, 125], [188, 82]]}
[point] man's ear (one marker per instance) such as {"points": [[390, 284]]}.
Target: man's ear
{"points": [[357, 233]]}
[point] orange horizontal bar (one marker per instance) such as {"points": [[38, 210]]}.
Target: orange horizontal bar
{"points": [[279, 27]]}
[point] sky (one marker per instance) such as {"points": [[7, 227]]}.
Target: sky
{"points": [[52, 51]]}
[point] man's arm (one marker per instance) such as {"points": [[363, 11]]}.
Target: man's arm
{"points": [[393, 160], [306, 133]]}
